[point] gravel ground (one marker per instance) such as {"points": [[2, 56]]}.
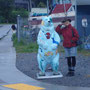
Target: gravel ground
{"points": [[27, 63]]}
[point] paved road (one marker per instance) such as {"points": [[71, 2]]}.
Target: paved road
{"points": [[4, 29], [12, 78]]}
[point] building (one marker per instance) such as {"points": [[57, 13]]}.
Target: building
{"points": [[21, 4], [83, 11], [60, 1], [59, 12], [81, 2], [27, 4]]}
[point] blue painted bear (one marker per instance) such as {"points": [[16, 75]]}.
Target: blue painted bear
{"points": [[48, 41]]}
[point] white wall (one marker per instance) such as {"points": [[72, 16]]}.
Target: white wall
{"points": [[39, 10], [81, 2]]}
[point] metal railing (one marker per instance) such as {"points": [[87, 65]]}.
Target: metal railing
{"points": [[25, 31]]}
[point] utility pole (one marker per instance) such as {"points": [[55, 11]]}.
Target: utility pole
{"points": [[29, 5], [47, 7], [65, 8], [76, 14]]}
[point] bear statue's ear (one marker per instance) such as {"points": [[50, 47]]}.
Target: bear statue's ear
{"points": [[43, 18], [42, 23]]}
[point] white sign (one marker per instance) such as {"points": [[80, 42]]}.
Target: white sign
{"points": [[84, 22]]}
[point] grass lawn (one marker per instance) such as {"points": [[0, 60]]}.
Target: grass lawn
{"points": [[21, 47], [84, 52]]}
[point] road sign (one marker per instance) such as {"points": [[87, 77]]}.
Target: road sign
{"points": [[84, 22]]}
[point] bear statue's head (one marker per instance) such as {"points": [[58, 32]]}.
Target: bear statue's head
{"points": [[47, 21], [47, 27]]}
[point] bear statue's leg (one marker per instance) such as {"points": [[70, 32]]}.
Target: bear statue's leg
{"points": [[55, 64], [42, 65]]}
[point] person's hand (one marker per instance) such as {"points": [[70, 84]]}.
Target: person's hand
{"points": [[62, 26], [72, 41]]}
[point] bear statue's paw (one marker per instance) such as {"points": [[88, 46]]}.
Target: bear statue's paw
{"points": [[56, 73], [41, 74], [54, 46]]}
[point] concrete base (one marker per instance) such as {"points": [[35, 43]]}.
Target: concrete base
{"points": [[49, 75]]}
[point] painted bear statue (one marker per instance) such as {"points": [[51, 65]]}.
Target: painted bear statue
{"points": [[48, 41]]}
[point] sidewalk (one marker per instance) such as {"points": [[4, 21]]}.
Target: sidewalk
{"points": [[4, 29], [10, 75]]}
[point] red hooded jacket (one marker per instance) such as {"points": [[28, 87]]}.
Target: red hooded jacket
{"points": [[70, 37]]}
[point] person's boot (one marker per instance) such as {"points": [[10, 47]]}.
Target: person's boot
{"points": [[72, 73], [69, 73]]}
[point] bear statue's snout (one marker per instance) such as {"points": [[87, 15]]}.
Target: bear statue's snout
{"points": [[49, 21]]}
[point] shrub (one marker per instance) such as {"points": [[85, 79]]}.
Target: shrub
{"points": [[41, 4]]}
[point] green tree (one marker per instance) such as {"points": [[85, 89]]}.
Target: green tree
{"points": [[38, 1], [41, 4], [6, 7], [21, 11]]}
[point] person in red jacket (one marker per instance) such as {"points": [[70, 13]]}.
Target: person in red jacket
{"points": [[70, 36]]}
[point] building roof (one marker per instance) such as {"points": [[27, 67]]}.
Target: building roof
{"points": [[59, 8]]}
